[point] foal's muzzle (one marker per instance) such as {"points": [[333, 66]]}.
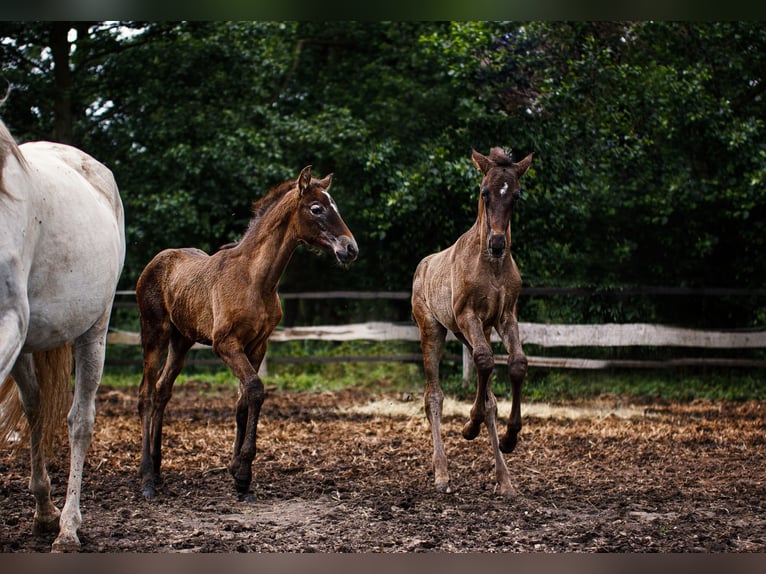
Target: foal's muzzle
{"points": [[496, 245], [346, 250]]}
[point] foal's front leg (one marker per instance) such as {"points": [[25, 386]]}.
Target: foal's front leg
{"points": [[484, 362], [251, 397], [484, 409], [517, 370]]}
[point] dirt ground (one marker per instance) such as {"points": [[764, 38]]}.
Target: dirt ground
{"points": [[333, 474]]}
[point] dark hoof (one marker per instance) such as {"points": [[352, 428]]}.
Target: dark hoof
{"points": [[471, 430], [148, 491], [508, 442], [242, 486], [246, 497]]}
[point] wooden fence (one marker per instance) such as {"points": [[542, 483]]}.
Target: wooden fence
{"points": [[540, 334]]}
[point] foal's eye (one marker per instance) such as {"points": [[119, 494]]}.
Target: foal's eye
{"points": [[485, 192], [316, 208]]}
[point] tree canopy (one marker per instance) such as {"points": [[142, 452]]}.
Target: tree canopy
{"points": [[648, 138]]}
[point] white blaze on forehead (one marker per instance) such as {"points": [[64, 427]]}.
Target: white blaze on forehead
{"points": [[504, 189], [332, 201]]}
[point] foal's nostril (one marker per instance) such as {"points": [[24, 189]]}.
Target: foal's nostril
{"points": [[497, 245], [349, 253]]}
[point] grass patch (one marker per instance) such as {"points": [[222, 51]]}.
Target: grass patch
{"points": [[542, 384], [555, 385]]}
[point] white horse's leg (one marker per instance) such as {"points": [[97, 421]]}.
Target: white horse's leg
{"points": [[46, 514], [89, 364], [14, 319]]}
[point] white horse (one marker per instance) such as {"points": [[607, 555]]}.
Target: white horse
{"points": [[62, 247]]}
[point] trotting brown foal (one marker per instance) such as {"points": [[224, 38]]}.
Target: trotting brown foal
{"points": [[469, 289]]}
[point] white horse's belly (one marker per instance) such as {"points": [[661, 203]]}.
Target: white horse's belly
{"points": [[69, 289]]}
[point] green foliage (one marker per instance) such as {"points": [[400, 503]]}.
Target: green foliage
{"points": [[649, 142]]}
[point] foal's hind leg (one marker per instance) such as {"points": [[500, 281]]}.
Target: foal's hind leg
{"points": [[432, 337], [155, 393], [155, 337], [179, 346]]}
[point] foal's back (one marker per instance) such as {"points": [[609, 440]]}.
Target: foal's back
{"points": [[176, 287]]}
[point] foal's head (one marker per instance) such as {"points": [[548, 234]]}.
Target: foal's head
{"points": [[499, 192], [319, 221]]}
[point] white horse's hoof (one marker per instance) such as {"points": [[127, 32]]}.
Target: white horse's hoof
{"points": [[66, 543]]}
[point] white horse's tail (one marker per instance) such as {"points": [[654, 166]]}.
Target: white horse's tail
{"points": [[53, 370]]}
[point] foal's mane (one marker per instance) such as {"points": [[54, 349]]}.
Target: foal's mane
{"points": [[499, 158], [264, 205]]}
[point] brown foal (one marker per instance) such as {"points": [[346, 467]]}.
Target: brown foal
{"points": [[229, 300], [469, 289]]}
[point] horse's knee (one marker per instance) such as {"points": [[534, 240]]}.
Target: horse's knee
{"points": [[483, 359], [517, 368], [80, 423], [253, 392], [433, 399]]}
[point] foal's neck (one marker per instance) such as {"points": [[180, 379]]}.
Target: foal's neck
{"points": [[267, 246]]}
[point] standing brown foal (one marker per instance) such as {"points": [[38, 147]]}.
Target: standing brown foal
{"points": [[228, 300], [469, 289]]}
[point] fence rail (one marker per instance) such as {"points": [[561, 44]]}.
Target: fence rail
{"points": [[540, 334]]}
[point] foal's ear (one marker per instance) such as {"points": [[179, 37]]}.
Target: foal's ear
{"points": [[325, 183], [481, 162], [304, 180], [524, 164]]}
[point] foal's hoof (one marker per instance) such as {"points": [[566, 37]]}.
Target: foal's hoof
{"points": [[508, 442], [242, 486], [246, 497], [148, 491], [471, 430], [507, 491], [443, 487]]}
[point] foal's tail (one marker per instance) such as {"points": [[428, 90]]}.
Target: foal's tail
{"points": [[53, 370]]}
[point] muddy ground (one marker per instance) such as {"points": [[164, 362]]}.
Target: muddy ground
{"points": [[333, 474]]}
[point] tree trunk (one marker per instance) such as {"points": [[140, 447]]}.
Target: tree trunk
{"points": [[62, 81]]}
